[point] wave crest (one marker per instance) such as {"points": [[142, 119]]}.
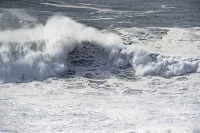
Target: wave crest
{"points": [[43, 51]]}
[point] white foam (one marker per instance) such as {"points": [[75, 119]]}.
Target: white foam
{"points": [[152, 64], [56, 39], [42, 51], [170, 41]]}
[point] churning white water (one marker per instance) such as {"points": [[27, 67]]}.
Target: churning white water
{"points": [[42, 51], [60, 75]]}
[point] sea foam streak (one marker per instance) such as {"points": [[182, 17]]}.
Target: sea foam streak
{"points": [[42, 51]]}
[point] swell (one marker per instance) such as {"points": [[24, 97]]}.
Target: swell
{"points": [[61, 43]]}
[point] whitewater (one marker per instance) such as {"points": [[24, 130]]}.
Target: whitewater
{"points": [[42, 51], [63, 75]]}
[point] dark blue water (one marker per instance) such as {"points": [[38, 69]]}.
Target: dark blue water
{"points": [[126, 13]]}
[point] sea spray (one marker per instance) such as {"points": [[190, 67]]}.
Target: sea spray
{"points": [[41, 51]]}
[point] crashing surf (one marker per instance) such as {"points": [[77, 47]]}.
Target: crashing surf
{"points": [[46, 50]]}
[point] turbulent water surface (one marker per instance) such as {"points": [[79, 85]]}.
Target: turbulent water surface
{"points": [[128, 66]]}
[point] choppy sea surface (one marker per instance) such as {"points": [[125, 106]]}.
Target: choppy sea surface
{"points": [[128, 66]]}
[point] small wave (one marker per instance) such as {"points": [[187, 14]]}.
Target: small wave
{"points": [[45, 50], [95, 7], [167, 6], [77, 6]]}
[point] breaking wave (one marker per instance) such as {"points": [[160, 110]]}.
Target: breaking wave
{"points": [[44, 50]]}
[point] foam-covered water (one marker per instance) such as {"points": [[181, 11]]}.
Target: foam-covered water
{"points": [[124, 66]]}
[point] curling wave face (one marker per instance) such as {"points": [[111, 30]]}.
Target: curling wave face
{"points": [[43, 51]]}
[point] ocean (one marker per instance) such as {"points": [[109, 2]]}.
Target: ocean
{"points": [[113, 66]]}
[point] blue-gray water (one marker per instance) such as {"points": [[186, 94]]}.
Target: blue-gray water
{"points": [[125, 13]]}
